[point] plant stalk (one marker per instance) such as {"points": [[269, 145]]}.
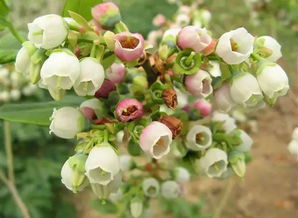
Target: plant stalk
{"points": [[11, 187], [8, 150]]}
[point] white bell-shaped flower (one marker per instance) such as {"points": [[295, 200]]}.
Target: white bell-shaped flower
{"points": [[181, 175], [126, 162], [270, 43], [245, 90], [91, 77], [170, 189], [223, 99], [102, 165], [214, 163], [136, 207], [73, 173], [198, 138], [229, 123], [295, 134], [103, 191], [293, 148], [22, 63], [59, 72], [48, 31], [156, 139], [235, 46], [67, 122], [199, 84], [151, 187], [246, 143], [273, 81]]}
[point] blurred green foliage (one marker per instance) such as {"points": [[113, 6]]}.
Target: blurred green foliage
{"points": [[38, 158]]}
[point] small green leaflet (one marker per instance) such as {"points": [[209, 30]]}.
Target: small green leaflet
{"points": [[82, 7]]}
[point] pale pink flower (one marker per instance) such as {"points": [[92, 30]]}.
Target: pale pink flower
{"points": [[199, 84], [191, 37], [129, 46], [156, 139]]}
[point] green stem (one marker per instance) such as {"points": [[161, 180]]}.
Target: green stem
{"points": [[15, 33], [8, 150], [224, 199]]}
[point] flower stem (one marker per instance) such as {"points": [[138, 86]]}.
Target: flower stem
{"points": [[8, 150], [224, 199], [15, 33], [11, 187], [151, 75]]}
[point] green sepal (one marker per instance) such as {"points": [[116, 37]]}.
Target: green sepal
{"points": [[156, 91], [187, 62], [120, 27], [133, 148], [80, 20], [237, 162]]}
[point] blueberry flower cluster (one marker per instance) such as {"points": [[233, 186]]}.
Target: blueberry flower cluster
{"points": [[168, 104]]}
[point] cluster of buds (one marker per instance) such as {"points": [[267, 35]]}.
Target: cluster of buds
{"points": [[169, 103], [14, 85]]}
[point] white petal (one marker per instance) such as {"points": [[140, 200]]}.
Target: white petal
{"points": [[22, 61], [102, 159], [48, 31], [229, 122], [244, 41], [191, 138], [181, 175], [150, 187], [170, 189], [295, 134], [246, 144], [214, 156], [60, 70], [66, 122], [244, 89], [274, 46], [91, 77], [273, 81]]}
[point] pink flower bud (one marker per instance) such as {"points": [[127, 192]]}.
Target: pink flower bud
{"points": [[105, 89], [194, 38], [106, 15], [129, 46], [156, 139], [159, 20], [116, 73], [129, 109], [199, 84], [204, 107], [90, 107]]}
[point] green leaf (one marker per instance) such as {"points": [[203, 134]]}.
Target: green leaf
{"points": [[4, 10], [106, 207], [82, 7], [35, 113], [9, 47]]}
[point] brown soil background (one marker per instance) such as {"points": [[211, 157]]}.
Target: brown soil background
{"points": [[270, 187]]}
